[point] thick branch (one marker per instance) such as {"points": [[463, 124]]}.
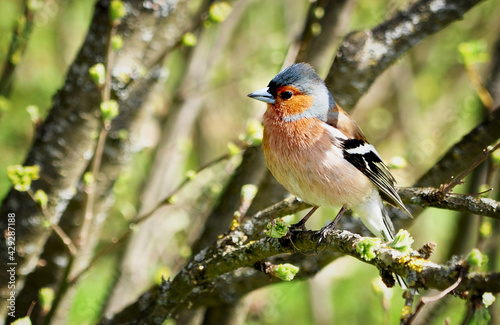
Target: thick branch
{"points": [[61, 150], [423, 197], [364, 55], [431, 197], [117, 150], [227, 256]]}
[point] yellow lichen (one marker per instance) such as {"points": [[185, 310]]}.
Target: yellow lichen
{"points": [[417, 264], [235, 224], [405, 312], [404, 259]]}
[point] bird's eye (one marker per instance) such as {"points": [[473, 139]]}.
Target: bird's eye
{"points": [[286, 94]]}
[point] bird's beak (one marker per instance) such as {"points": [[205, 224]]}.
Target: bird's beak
{"points": [[262, 95]]}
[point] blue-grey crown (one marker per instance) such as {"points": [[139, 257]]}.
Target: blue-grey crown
{"points": [[300, 75], [303, 77]]}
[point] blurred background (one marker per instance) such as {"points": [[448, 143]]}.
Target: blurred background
{"points": [[413, 113]]}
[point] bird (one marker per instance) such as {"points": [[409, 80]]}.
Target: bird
{"points": [[320, 155]]}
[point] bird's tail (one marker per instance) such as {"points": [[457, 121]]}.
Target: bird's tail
{"points": [[375, 217], [388, 233]]}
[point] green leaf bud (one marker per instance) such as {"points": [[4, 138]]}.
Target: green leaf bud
{"points": [[22, 321], [285, 272], [41, 198], [98, 74], [233, 149], [402, 241], [21, 177], [46, 297], [109, 110], [366, 247], [189, 39], [116, 42], [219, 11], [117, 10], [475, 258], [248, 192], [277, 229]]}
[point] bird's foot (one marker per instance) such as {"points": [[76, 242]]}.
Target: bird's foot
{"points": [[331, 226], [323, 232], [299, 226]]}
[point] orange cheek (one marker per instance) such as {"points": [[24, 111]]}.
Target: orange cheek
{"points": [[295, 105]]}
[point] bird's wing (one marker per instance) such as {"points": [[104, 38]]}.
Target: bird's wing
{"points": [[364, 156], [366, 159]]}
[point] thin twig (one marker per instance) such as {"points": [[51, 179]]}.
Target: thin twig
{"points": [[426, 300], [58, 230], [447, 188], [20, 36], [103, 134], [483, 93], [30, 310], [167, 199], [91, 188]]}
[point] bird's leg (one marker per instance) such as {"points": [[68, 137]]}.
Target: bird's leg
{"points": [[330, 226], [301, 225]]}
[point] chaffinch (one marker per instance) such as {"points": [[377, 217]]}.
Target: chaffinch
{"points": [[319, 153]]}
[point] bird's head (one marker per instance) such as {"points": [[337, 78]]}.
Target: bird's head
{"points": [[295, 93]]}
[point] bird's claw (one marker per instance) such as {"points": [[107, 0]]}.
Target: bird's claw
{"points": [[322, 233]]}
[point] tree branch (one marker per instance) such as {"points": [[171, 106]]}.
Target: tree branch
{"points": [[117, 151], [60, 149], [364, 55], [209, 266], [420, 196], [21, 35], [448, 187], [432, 197], [230, 254]]}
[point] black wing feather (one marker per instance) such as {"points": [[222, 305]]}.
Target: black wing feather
{"points": [[370, 164]]}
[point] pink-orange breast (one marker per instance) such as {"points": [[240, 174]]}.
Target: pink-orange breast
{"points": [[302, 157]]}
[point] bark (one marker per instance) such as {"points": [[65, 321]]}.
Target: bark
{"points": [[73, 133], [56, 259], [62, 148], [231, 253], [430, 197], [169, 161], [364, 55]]}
